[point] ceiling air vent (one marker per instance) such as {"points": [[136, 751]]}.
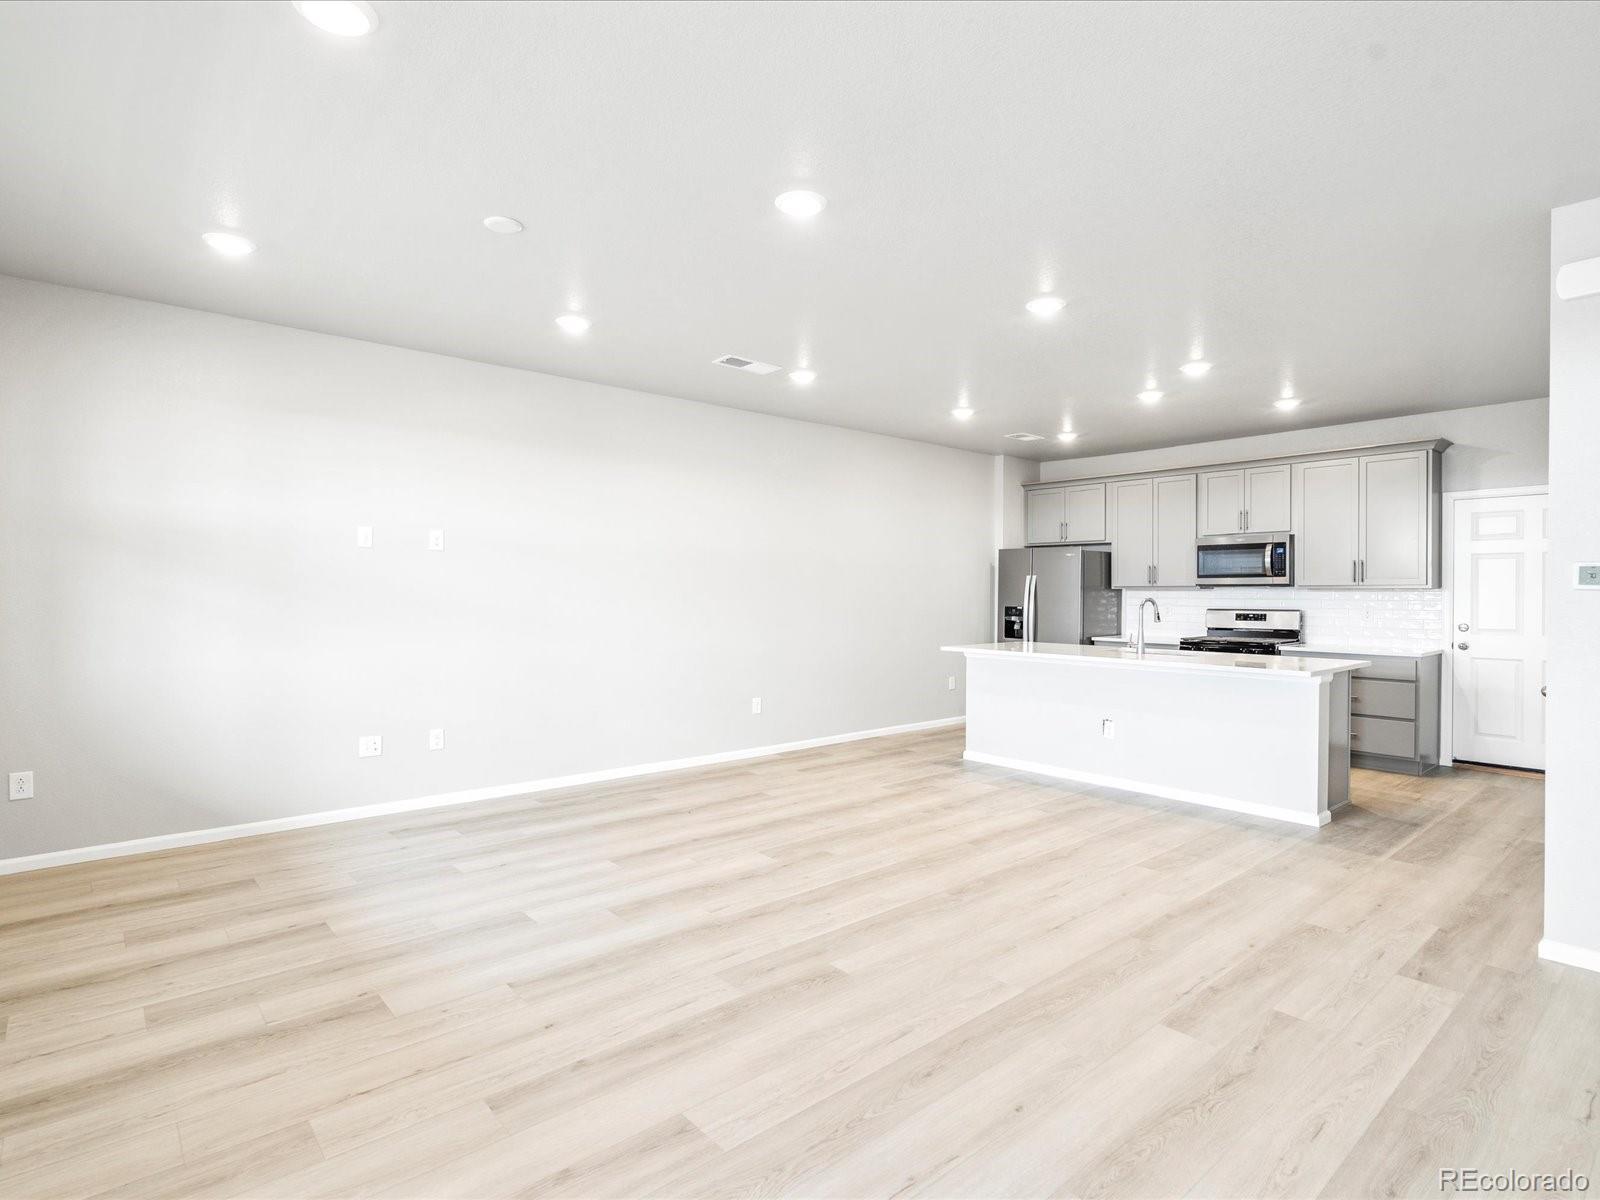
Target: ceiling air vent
{"points": [[1023, 437], [745, 364]]}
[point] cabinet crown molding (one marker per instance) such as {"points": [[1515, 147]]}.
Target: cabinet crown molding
{"points": [[1437, 445]]}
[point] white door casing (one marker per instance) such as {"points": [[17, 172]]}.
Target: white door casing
{"points": [[1497, 629]]}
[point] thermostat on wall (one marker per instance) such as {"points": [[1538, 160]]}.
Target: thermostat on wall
{"points": [[1587, 575]]}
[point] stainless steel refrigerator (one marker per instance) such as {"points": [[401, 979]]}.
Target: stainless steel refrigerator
{"points": [[1058, 594]]}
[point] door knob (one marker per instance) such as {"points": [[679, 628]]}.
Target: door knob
{"points": [[1541, 689], [1462, 627], [1461, 645]]}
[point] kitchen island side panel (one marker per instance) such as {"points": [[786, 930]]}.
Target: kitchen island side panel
{"points": [[1257, 744]]}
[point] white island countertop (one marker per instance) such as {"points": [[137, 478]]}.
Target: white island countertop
{"points": [[1185, 661]]}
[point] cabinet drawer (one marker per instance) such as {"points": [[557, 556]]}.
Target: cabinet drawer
{"points": [[1387, 668], [1383, 698], [1380, 735]]}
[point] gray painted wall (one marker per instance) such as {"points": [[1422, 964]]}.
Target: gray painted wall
{"points": [[189, 637], [1572, 787], [1497, 445]]}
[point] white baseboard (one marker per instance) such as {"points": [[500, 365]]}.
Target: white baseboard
{"points": [[198, 837], [1572, 956], [1151, 789]]}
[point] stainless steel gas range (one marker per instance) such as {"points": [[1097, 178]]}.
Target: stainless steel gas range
{"points": [[1247, 631]]}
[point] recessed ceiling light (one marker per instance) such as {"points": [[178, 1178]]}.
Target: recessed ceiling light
{"points": [[229, 244], [1151, 395], [502, 225], [803, 377], [1285, 403], [801, 204], [1046, 306], [962, 413], [574, 324], [1195, 368], [1066, 435], [344, 18]]}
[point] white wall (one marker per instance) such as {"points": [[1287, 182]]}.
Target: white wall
{"points": [[189, 637], [1497, 445], [1572, 788]]}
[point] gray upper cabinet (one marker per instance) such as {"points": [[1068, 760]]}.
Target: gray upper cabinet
{"points": [[1266, 499], [1245, 500], [1327, 547], [1069, 513], [1221, 502], [1047, 516], [1086, 513], [1152, 532], [1369, 520], [1133, 524], [1365, 517], [1396, 547], [1175, 531]]}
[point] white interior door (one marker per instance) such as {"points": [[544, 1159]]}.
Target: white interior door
{"points": [[1498, 629]]}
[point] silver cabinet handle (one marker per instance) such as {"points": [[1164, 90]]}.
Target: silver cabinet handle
{"points": [[1155, 575], [1066, 531], [1541, 688], [1363, 570], [1354, 577], [1461, 646]]}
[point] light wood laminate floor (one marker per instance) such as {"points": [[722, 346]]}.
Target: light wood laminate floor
{"points": [[866, 970]]}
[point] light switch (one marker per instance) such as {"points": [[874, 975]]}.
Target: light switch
{"points": [[1588, 575], [369, 746], [435, 539]]}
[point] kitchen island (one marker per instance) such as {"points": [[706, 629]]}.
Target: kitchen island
{"points": [[1260, 734]]}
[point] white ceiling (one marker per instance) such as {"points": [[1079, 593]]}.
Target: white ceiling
{"points": [[1351, 195]]}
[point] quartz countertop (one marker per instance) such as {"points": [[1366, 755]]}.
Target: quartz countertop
{"points": [[1277, 666]]}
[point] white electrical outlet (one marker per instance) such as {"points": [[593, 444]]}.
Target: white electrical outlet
{"points": [[435, 539], [435, 739], [950, 684], [369, 746], [755, 705], [364, 537], [21, 787], [1108, 728]]}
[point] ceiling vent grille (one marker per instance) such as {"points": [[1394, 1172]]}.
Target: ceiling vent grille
{"points": [[745, 364], [1023, 437]]}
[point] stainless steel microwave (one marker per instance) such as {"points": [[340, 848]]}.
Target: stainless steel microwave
{"points": [[1245, 560]]}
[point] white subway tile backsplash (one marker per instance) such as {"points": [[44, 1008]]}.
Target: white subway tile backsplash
{"points": [[1402, 622]]}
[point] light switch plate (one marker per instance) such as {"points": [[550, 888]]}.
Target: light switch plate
{"points": [[435, 539], [435, 739], [21, 785], [1587, 575], [369, 746], [364, 537]]}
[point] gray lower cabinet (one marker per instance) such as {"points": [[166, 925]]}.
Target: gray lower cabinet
{"points": [[1394, 711]]}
